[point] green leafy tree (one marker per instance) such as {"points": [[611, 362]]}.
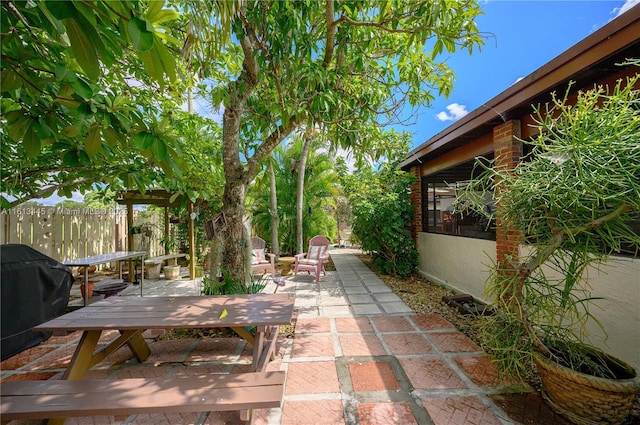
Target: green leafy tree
{"points": [[82, 84], [345, 66], [273, 211], [380, 208], [78, 83], [300, 188]]}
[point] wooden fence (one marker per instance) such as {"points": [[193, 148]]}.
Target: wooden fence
{"points": [[69, 233]]}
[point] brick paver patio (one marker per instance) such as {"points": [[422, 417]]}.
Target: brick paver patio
{"points": [[377, 363]]}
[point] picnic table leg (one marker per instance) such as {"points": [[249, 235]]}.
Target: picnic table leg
{"points": [[268, 351], [86, 286], [258, 347], [245, 415], [81, 360], [245, 335], [130, 337], [138, 346], [141, 273]]}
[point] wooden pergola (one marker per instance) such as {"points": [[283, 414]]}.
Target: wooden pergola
{"points": [[160, 198]]}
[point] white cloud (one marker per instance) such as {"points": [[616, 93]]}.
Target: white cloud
{"points": [[628, 4], [454, 112]]}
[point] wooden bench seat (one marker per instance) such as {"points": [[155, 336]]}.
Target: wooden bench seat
{"points": [[154, 264], [118, 397], [162, 258]]}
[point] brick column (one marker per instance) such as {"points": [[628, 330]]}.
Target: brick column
{"points": [[507, 153], [416, 201]]}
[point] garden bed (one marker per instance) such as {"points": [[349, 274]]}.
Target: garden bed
{"points": [[425, 297]]}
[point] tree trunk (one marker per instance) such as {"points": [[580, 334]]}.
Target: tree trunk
{"points": [[234, 243], [238, 175], [300, 191], [273, 211]]}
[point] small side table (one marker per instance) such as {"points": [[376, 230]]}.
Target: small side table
{"points": [[286, 263]]}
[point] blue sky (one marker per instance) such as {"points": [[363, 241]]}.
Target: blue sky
{"points": [[523, 36]]}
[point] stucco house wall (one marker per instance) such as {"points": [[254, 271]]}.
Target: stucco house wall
{"points": [[462, 264], [617, 283]]}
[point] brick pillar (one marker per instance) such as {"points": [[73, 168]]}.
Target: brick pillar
{"points": [[416, 201], [507, 153]]}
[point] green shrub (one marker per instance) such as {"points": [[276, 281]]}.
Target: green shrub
{"points": [[382, 221], [229, 286]]}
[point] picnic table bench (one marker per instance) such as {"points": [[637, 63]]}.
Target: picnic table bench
{"points": [[117, 397], [154, 264]]}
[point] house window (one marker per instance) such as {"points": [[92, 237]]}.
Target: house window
{"points": [[439, 191], [439, 194]]}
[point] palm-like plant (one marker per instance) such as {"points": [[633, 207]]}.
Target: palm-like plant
{"points": [[574, 200], [319, 194]]}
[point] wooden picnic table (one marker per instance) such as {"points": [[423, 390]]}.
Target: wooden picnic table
{"points": [[131, 316]]}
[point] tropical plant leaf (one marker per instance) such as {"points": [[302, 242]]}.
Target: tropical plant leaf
{"points": [[165, 16], [62, 9], [10, 80], [18, 124], [143, 139], [82, 89], [158, 62], [70, 131], [93, 144], [159, 149], [70, 159], [32, 142], [71, 104], [82, 47], [155, 6], [141, 37], [64, 74]]}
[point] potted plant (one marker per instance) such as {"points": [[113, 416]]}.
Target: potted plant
{"points": [[168, 243], [572, 201], [142, 229]]}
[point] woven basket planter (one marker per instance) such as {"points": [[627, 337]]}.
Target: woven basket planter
{"points": [[589, 400]]}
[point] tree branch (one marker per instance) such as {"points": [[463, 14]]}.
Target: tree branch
{"points": [[525, 269], [331, 32], [269, 145], [265, 49]]}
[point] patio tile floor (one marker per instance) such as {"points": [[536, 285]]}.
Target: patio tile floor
{"points": [[352, 366]]}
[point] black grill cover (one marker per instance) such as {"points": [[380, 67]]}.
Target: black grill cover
{"points": [[35, 288]]}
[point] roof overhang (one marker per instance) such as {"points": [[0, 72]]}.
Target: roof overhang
{"points": [[593, 59]]}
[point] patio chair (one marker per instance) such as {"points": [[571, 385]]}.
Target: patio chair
{"points": [[313, 260], [259, 261]]}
